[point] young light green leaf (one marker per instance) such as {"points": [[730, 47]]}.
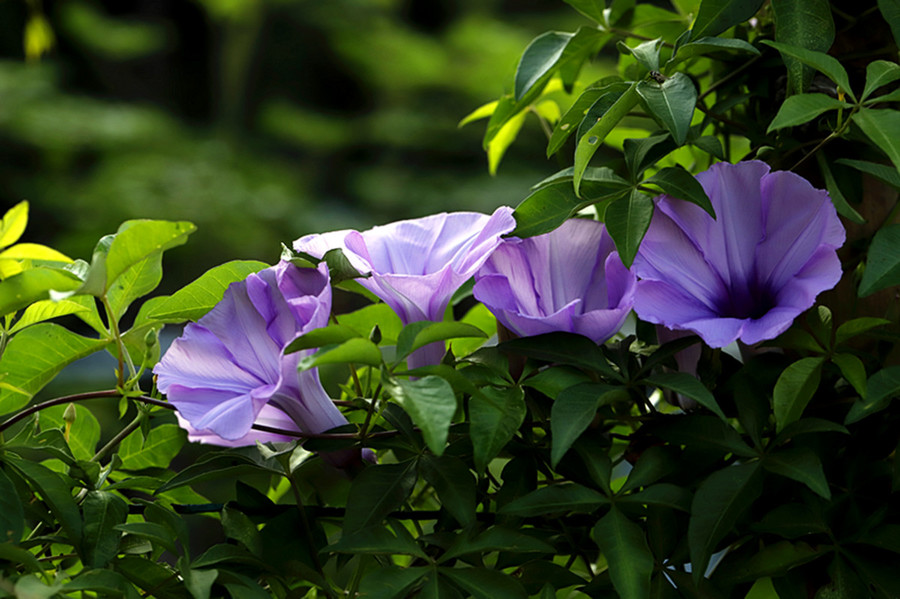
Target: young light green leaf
{"points": [[431, 403], [197, 298], [136, 281], [421, 333], [138, 239], [572, 412], [502, 139], [882, 127], [878, 74], [594, 136], [83, 433], [34, 356], [827, 65], [103, 511], [808, 25], [32, 285], [627, 220], [883, 265], [800, 464], [629, 558], [376, 492], [47, 309], [495, 415], [672, 102], [802, 108], [563, 498], [715, 16], [678, 183], [161, 445], [13, 224], [454, 484], [352, 351], [332, 334], [794, 388]]}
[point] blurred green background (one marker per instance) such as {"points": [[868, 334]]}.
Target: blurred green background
{"points": [[258, 120]]}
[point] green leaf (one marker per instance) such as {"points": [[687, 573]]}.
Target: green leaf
{"points": [[34, 356], [709, 45], [13, 224], [375, 540], [794, 388], [653, 464], [45, 310], [352, 351], [771, 561], [827, 65], [195, 299], [689, 386], [594, 136], [572, 412], [565, 348], [661, 494], [806, 426], [802, 465], [160, 447], [239, 527], [878, 74], [390, 582], [198, 582], [678, 183], [482, 583], [136, 281], [12, 516], [715, 16], [802, 108], [627, 220], [431, 403], [563, 498], [592, 9], [881, 126], [837, 197], [419, 334], [32, 285], [672, 102], [890, 10], [646, 53], [83, 434], [573, 117], [857, 326], [702, 431], [627, 554], [881, 171], [105, 583], [137, 240], [718, 504], [376, 492], [454, 484], [882, 387], [495, 415], [152, 531], [550, 205], [539, 58], [883, 265], [102, 512], [332, 334], [56, 494], [853, 370], [551, 381], [497, 538], [807, 24]]}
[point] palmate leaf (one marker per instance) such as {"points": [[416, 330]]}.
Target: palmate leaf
{"points": [[802, 465], [453, 483], [376, 492], [572, 413], [495, 416], [556, 499]]}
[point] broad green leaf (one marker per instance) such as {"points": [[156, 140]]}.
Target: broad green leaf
{"points": [[106, 583], [376, 492], [572, 118], [857, 326], [791, 521], [352, 351], [594, 136], [150, 576], [238, 526], [794, 388], [454, 484], [136, 240], [482, 112], [572, 412], [882, 387], [152, 531], [15, 554], [629, 558], [102, 512], [627, 220], [12, 516], [882, 127], [703, 432], [560, 498], [806, 426], [56, 494], [771, 561], [495, 415], [645, 53], [853, 370], [837, 197], [802, 108], [497, 538], [592, 9], [883, 264], [541, 55], [45, 310], [565, 348], [715, 16], [136, 281], [689, 386], [661, 494], [13, 224], [550, 205], [482, 583], [827, 65], [30, 587], [672, 102], [83, 434], [678, 183], [419, 334], [551, 381], [361, 321], [34, 356], [654, 463], [709, 45], [375, 540], [430, 403], [332, 334], [885, 536], [35, 252], [195, 299], [878, 74], [641, 153], [390, 582], [807, 24], [718, 504], [802, 465], [198, 582], [890, 10], [160, 447], [881, 171], [32, 285]]}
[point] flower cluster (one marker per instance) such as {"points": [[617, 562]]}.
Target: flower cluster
{"points": [[744, 275]]}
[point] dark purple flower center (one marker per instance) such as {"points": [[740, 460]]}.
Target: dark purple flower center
{"points": [[751, 302]]}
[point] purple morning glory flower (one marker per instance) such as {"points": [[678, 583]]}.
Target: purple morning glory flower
{"points": [[228, 371], [570, 279], [747, 274], [416, 265]]}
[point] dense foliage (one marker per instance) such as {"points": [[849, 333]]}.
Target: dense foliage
{"points": [[730, 440]]}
